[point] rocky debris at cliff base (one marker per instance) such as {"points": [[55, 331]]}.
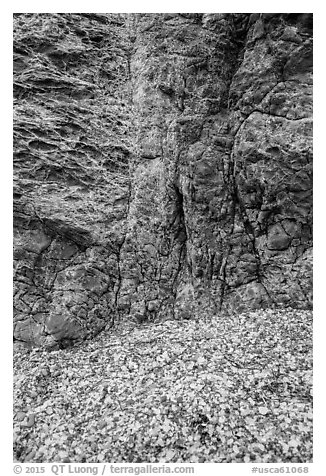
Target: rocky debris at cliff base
{"points": [[231, 389]]}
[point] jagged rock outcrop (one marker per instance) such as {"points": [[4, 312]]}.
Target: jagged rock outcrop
{"points": [[72, 146], [163, 167]]}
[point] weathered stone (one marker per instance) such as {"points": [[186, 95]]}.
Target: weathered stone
{"points": [[162, 167], [72, 109], [20, 416], [30, 421]]}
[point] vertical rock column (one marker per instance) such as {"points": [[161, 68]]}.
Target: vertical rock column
{"points": [[271, 95], [220, 214], [71, 188]]}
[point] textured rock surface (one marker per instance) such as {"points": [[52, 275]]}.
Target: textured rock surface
{"points": [[163, 167], [72, 121]]}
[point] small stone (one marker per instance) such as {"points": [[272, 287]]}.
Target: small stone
{"points": [[44, 372], [169, 455], [30, 456], [294, 443], [20, 416], [101, 424], [30, 420]]}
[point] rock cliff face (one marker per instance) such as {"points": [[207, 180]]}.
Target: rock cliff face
{"points": [[162, 165]]}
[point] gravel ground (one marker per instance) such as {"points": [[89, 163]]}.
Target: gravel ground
{"points": [[231, 389]]}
